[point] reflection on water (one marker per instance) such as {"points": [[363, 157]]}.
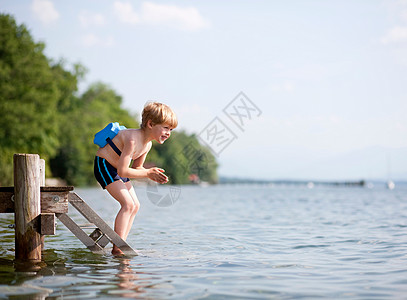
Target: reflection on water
{"points": [[75, 273], [127, 281], [230, 242]]}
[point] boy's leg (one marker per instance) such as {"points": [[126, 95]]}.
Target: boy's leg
{"points": [[133, 195], [119, 191]]}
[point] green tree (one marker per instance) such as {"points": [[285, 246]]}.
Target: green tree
{"points": [[182, 156], [29, 96], [41, 112], [97, 107]]}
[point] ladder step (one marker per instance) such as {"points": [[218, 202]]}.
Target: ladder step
{"points": [[87, 226], [96, 234], [79, 233], [103, 241], [109, 235]]}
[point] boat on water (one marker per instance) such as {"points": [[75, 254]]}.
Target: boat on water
{"points": [[390, 185]]}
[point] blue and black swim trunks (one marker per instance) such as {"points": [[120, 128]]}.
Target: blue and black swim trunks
{"points": [[105, 173]]}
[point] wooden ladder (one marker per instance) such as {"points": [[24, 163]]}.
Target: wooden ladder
{"points": [[102, 234]]}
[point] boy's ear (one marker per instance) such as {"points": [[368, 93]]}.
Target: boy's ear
{"points": [[150, 124]]}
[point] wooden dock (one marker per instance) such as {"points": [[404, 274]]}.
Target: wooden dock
{"points": [[36, 208]]}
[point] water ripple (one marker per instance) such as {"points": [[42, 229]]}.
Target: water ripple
{"points": [[240, 242]]}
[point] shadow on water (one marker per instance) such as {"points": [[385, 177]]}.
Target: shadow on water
{"points": [[73, 274]]}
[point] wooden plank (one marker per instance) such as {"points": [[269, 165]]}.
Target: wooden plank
{"points": [[96, 234], [27, 204], [6, 202], [57, 188], [79, 233], [53, 199], [87, 226], [92, 217], [48, 224], [99, 237], [43, 189], [103, 241], [54, 202]]}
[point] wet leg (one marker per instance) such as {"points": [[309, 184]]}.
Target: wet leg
{"points": [[120, 192], [132, 192]]}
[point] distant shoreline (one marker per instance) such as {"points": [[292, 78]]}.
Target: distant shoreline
{"points": [[309, 183]]}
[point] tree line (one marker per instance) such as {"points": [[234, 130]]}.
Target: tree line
{"points": [[41, 111]]}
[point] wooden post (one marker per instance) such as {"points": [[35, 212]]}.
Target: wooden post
{"points": [[42, 172], [27, 205], [42, 183]]}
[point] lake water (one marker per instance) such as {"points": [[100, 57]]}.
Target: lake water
{"points": [[231, 242]]}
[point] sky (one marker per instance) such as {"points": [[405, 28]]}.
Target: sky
{"points": [[300, 89]]}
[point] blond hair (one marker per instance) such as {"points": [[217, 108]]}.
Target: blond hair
{"points": [[158, 113]]}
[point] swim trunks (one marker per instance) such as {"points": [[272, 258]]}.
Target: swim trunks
{"points": [[105, 173]]}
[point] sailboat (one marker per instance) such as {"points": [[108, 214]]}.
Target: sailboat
{"points": [[389, 184]]}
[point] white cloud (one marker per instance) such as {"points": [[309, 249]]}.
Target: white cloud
{"points": [[45, 11], [187, 18], [395, 35], [182, 18], [88, 19], [125, 12], [91, 40]]}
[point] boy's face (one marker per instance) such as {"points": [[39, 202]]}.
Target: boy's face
{"points": [[161, 132]]}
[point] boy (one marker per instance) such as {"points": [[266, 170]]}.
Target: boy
{"points": [[112, 162]]}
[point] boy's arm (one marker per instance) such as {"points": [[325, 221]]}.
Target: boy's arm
{"points": [[137, 170]]}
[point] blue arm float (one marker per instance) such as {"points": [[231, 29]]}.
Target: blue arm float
{"points": [[110, 131]]}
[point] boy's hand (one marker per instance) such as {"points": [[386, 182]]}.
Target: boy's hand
{"points": [[157, 175]]}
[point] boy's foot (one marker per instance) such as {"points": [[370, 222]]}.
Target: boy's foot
{"points": [[117, 252]]}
